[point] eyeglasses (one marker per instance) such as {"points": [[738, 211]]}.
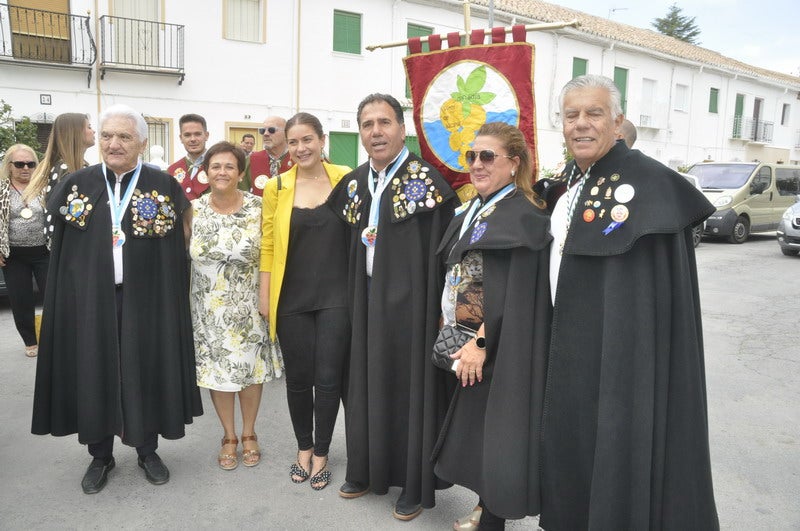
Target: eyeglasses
{"points": [[487, 156], [19, 164], [270, 130]]}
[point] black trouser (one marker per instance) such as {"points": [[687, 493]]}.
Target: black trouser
{"points": [[490, 521], [105, 448], [22, 265], [314, 346]]}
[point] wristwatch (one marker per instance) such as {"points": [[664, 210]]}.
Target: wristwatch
{"points": [[480, 342]]}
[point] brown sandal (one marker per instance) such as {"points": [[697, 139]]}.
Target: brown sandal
{"points": [[228, 461], [250, 457]]}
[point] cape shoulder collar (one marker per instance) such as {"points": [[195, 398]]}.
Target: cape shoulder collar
{"points": [[628, 195], [512, 222]]}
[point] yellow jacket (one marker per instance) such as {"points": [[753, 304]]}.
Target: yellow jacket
{"points": [[276, 213]]}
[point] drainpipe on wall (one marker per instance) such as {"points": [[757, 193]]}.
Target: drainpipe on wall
{"points": [[298, 11], [98, 53]]}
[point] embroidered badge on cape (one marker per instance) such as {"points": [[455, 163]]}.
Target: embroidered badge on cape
{"points": [[478, 232], [414, 191], [77, 207], [152, 214]]}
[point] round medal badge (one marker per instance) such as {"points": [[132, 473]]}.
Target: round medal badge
{"points": [[369, 236]]}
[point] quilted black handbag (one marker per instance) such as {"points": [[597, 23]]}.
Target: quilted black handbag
{"points": [[449, 341]]}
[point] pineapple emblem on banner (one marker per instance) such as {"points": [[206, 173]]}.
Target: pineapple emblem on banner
{"points": [[462, 98]]}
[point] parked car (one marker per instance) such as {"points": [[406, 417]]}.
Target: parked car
{"points": [[749, 196], [697, 230], [789, 230]]}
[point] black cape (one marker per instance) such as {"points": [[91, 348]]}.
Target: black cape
{"points": [[395, 398], [490, 443], [625, 427], [88, 381]]}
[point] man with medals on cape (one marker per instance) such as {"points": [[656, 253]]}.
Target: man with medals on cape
{"points": [[398, 207], [117, 354], [625, 424]]}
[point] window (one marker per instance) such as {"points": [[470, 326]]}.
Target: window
{"points": [[243, 20], [40, 30], [412, 143], [157, 135], [785, 114], [621, 81], [648, 103], [415, 30], [344, 148], [681, 97], [713, 100], [346, 32], [579, 67], [787, 180]]}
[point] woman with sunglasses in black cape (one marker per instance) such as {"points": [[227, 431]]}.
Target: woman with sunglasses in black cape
{"points": [[496, 251]]}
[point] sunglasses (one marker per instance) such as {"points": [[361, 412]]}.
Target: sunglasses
{"points": [[270, 130], [19, 164], [487, 156]]}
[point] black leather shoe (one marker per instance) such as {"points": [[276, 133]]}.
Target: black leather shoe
{"points": [[96, 475], [154, 469], [404, 510], [353, 489]]}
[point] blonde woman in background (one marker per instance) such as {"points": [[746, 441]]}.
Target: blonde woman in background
{"points": [[23, 254]]}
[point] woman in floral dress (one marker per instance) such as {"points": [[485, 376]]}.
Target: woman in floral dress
{"points": [[232, 346]]}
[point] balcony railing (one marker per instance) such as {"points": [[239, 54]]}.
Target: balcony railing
{"points": [[47, 37], [145, 46], [753, 130]]}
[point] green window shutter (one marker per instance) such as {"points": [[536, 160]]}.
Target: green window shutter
{"points": [[412, 143], [579, 67], [713, 100], [346, 32], [344, 149], [415, 30], [621, 81]]}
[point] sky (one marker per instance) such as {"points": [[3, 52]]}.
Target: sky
{"points": [[762, 33]]}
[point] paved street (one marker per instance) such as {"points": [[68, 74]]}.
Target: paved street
{"points": [[750, 297]]}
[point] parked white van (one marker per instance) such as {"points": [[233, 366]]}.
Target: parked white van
{"points": [[749, 196]]}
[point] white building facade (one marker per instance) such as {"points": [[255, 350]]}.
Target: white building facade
{"points": [[237, 61]]}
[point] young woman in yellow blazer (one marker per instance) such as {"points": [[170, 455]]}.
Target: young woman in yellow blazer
{"points": [[303, 292]]}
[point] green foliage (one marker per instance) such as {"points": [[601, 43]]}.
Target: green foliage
{"points": [[11, 132], [469, 91], [677, 25]]}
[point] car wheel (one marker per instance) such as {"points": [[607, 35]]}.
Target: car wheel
{"points": [[789, 252], [741, 230], [697, 235]]}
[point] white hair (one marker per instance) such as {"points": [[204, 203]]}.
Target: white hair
{"points": [[124, 111], [594, 81]]}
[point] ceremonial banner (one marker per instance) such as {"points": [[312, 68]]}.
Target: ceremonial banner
{"points": [[456, 91]]}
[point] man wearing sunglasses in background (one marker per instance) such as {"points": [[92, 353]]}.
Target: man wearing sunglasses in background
{"points": [[271, 161], [189, 170]]}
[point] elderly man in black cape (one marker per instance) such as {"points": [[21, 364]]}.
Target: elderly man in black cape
{"points": [[398, 207], [625, 425], [117, 355]]}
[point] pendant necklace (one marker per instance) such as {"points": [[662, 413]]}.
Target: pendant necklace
{"points": [[26, 212]]}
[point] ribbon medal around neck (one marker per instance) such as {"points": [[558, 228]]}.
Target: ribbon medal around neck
{"points": [[118, 205]]}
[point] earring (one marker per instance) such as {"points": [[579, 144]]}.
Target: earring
{"points": [[513, 173]]}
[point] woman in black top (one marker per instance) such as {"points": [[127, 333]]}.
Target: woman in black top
{"points": [[303, 292]]}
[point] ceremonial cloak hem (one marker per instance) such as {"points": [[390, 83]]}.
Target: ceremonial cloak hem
{"points": [[625, 425], [396, 399], [491, 442], [88, 382]]}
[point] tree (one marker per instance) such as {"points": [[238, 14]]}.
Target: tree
{"points": [[16, 132], [677, 25]]}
